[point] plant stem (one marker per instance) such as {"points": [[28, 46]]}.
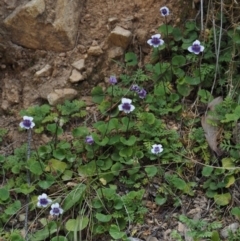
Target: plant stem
{"points": [[28, 182], [109, 115]]}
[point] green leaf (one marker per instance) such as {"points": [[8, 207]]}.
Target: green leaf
{"points": [[160, 200], [126, 152], [25, 188], [205, 95], [131, 59], [179, 183], [35, 168], [115, 232], [13, 208], [192, 80], [116, 168], [54, 129], [165, 29], [227, 162], [67, 175], [59, 154], [4, 194], [222, 199], [184, 89], [103, 218], [236, 212], [97, 95], [178, 60], [130, 142], [74, 197], [45, 184], [177, 34], [88, 169], [44, 233], [56, 165], [81, 131], [207, 171], [215, 236], [77, 224], [113, 124], [229, 181], [151, 171]]}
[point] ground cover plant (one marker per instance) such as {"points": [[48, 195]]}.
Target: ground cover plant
{"points": [[176, 118]]}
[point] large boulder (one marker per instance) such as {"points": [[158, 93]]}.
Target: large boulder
{"points": [[45, 24]]}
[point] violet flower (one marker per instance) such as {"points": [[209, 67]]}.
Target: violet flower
{"points": [[157, 148], [56, 210], [27, 123], [196, 47], [142, 93], [89, 140], [113, 80], [43, 200], [155, 41], [164, 11], [126, 106]]}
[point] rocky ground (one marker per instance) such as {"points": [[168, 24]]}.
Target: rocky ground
{"points": [[56, 50], [51, 50]]}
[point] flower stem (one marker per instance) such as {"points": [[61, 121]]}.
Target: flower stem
{"points": [[28, 182], [109, 115]]}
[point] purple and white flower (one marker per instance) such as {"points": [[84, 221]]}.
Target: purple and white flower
{"points": [[27, 122], [196, 47], [155, 40], [164, 11], [113, 80], [126, 106], [43, 200], [142, 93], [135, 88], [157, 148], [56, 210], [89, 140]]}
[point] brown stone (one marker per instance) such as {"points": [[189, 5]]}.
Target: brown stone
{"points": [[120, 37], [79, 65], [76, 76], [58, 96], [31, 27], [45, 71], [115, 52], [95, 51]]}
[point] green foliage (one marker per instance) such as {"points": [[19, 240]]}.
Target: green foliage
{"points": [[198, 229], [83, 177]]}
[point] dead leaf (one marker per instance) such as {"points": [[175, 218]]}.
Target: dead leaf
{"points": [[212, 132]]}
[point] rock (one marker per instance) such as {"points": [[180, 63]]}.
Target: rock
{"points": [[31, 25], [142, 36], [45, 71], [120, 37], [11, 92], [232, 227], [112, 20], [95, 51], [115, 52], [60, 95], [79, 65], [76, 76]]}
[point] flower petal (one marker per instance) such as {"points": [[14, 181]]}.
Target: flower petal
{"points": [[190, 49], [132, 108], [126, 100], [156, 36], [150, 42], [120, 107], [196, 42]]}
